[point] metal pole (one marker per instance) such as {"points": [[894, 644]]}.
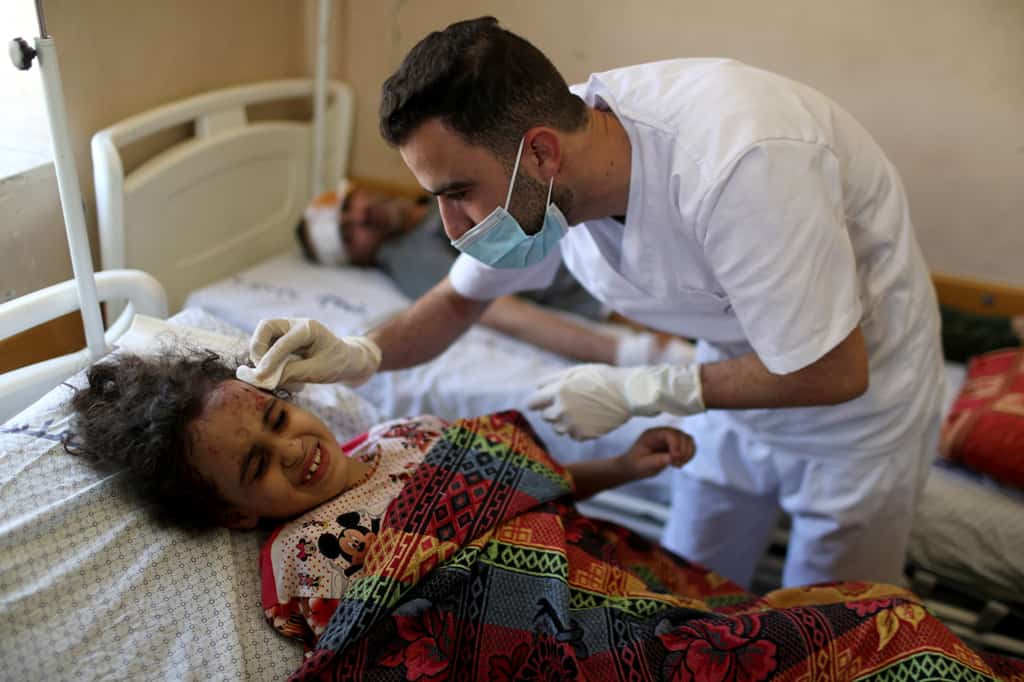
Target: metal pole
{"points": [[41, 18], [316, 181], [70, 192]]}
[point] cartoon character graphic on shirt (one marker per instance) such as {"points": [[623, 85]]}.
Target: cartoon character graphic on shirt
{"points": [[304, 549], [349, 543]]}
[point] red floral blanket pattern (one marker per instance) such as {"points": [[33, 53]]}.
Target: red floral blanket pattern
{"points": [[484, 570]]}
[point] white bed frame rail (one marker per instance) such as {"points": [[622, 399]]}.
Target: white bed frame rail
{"points": [[21, 387], [222, 200]]}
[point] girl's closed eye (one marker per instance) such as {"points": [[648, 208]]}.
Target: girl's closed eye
{"points": [[282, 419], [261, 466]]}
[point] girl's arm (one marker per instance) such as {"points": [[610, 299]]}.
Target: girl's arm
{"points": [[653, 451]]}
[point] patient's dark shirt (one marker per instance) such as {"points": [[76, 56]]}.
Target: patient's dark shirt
{"points": [[421, 257]]}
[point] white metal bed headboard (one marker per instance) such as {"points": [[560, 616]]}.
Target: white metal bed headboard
{"points": [[221, 201]]}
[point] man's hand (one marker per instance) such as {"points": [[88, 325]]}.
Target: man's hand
{"points": [[654, 450], [299, 350], [588, 401]]}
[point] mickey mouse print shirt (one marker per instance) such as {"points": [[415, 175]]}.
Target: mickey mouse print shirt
{"points": [[307, 564]]}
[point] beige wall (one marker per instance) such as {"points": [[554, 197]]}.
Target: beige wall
{"points": [[938, 83], [120, 57]]}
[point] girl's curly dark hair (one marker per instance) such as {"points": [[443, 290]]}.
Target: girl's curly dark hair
{"points": [[132, 417]]}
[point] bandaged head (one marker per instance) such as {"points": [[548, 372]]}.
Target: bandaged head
{"points": [[323, 226]]}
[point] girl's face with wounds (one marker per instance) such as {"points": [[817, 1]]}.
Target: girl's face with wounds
{"points": [[267, 457]]}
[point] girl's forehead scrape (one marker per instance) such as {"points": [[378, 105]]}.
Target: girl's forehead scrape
{"points": [[236, 396]]}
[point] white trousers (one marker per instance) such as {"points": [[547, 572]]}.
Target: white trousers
{"points": [[850, 517]]}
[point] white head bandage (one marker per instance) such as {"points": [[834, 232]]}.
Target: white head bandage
{"points": [[323, 226]]}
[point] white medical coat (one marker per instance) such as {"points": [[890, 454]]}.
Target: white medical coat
{"points": [[761, 217]]}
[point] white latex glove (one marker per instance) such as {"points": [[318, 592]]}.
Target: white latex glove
{"points": [[270, 380], [300, 350], [588, 401]]}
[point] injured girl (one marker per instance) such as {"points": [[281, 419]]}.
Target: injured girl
{"points": [[432, 550]]}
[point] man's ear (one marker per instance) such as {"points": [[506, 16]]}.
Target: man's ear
{"points": [[238, 520], [543, 152]]}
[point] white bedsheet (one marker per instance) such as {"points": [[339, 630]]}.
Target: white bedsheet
{"points": [[91, 588]]}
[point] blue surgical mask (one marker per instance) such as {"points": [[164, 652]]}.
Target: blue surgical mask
{"points": [[499, 241]]}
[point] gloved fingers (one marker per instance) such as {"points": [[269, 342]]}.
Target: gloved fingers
{"points": [[293, 387], [574, 433], [267, 332], [577, 432], [266, 374], [248, 375], [295, 339], [541, 398], [596, 429], [305, 370], [553, 413]]}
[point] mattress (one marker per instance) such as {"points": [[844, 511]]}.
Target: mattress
{"points": [[92, 588], [966, 527]]}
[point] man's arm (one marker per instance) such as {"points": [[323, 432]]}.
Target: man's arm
{"points": [[745, 383], [529, 322], [427, 328]]}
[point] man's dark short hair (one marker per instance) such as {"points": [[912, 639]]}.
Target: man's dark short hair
{"points": [[483, 82]]}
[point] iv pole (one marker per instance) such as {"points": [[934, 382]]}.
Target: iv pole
{"points": [[316, 180], [67, 177]]}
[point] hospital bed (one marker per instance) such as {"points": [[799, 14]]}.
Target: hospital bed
{"points": [[90, 586], [212, 217], [953, 550]]}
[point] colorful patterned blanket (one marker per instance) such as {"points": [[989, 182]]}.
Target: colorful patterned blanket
{"points": [[484, 570]]}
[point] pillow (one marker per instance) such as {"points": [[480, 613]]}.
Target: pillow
{"points": [[984, 430], [149, 336], [346, 299]]}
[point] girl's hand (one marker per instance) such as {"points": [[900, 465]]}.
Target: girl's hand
{"points": [[654, 450]]}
